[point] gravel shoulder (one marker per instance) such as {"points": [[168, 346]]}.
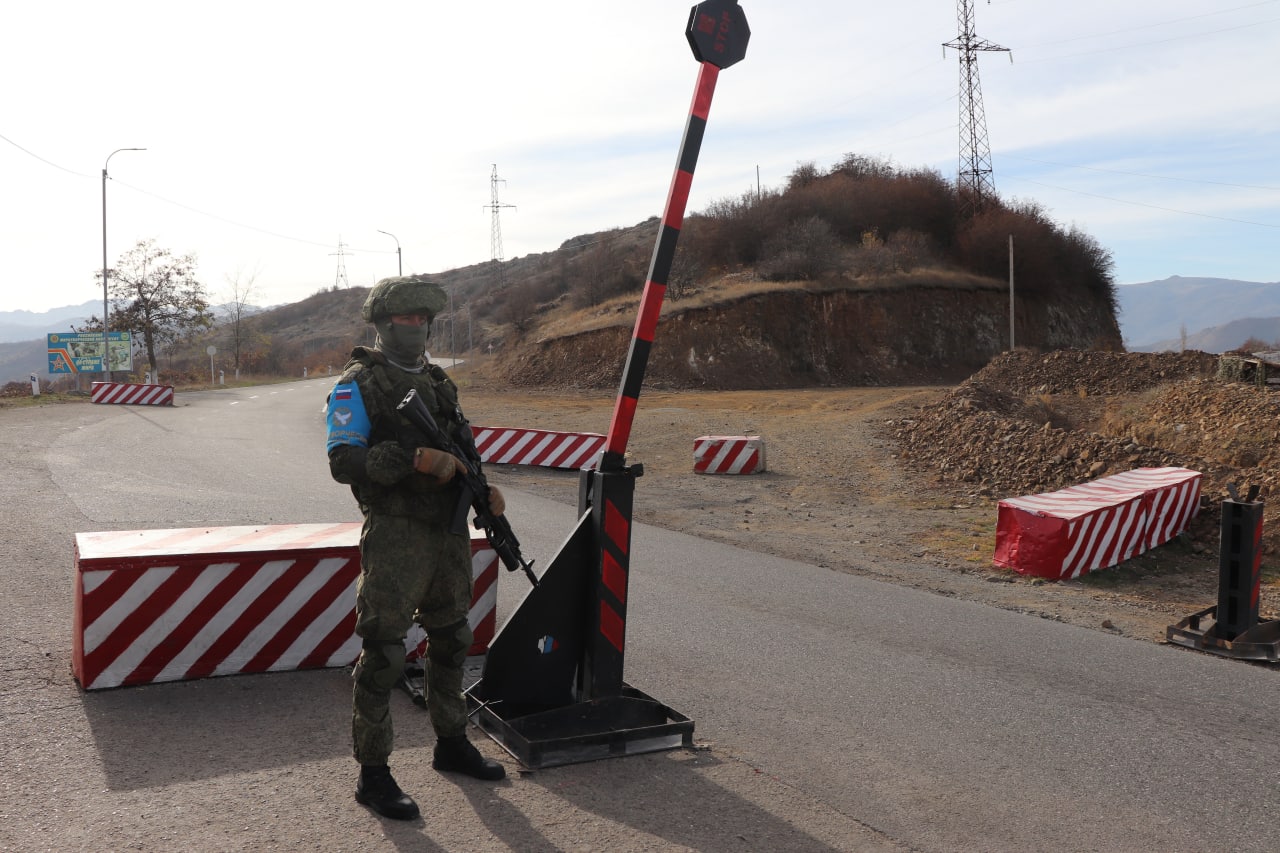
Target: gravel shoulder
{"points": [[838, 493]]}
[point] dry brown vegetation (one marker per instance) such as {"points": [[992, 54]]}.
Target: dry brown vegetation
{"points": [[862, 224]]}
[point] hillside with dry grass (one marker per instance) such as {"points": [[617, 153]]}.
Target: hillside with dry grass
{"points": [[864, 273]]}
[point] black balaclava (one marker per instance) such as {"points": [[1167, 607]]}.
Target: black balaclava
{"points": [[404, 345]]}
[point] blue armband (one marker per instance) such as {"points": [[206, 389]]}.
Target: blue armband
{"points": [[347, 419]]}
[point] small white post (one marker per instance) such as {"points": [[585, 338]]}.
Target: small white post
{"points": [[1010, 293]]}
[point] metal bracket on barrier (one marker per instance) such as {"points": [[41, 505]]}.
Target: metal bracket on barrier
{"points": [[1260, 643], [629, 723], [1235, 631], [552, 691]]}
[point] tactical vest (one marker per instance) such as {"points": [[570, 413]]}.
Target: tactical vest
{"points": [[383, 387]]}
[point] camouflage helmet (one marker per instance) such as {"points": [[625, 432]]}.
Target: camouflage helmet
{"points": [[408, 294]]}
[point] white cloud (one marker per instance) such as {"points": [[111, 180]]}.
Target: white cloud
{"points": [[318, 121]]}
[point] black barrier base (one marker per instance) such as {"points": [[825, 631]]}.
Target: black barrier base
{"points": [[552, 691], [628, 724], [1259, 643]]}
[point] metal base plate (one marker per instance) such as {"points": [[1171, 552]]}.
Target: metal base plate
{"points": [[1259, 643], [628, 724]]}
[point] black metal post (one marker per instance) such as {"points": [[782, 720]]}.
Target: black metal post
{"points": [[1239, 568]]}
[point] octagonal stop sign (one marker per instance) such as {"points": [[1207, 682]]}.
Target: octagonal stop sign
{"points": [[718, 32]]}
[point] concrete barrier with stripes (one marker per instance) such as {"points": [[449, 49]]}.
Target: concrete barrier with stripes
{"points": [[728, 454], [1068, 533], [170, 605], [545, 448], [131, 394]]}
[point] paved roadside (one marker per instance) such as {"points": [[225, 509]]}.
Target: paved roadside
{"points": [[262, 762]]}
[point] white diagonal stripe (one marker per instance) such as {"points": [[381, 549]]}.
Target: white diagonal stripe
{"points": [[106, 624], [254, 585], [266, 630]]}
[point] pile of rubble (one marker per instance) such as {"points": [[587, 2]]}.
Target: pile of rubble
{"points": [[1030, 423], [16, 389]]}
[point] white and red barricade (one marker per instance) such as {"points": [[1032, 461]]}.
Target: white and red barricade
{"points": [[545, 448], [131, 394], [1065, 534], [728, 454], [169, 605]]}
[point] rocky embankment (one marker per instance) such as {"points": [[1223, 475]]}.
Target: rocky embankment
{"points": [[1032, 422]]}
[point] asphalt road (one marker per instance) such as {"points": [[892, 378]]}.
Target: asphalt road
{"points": [[832, 712]]}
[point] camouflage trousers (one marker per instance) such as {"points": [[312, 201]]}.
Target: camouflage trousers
{"points": [[411, 570]]}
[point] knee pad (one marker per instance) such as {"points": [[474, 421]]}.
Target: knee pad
{"points": [[448, 646], [381, 665]]}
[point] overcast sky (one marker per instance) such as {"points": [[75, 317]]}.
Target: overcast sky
{"points": [[278, 131]]}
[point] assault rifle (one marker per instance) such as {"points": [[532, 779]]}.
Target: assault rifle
{"points": [[475, 489]]}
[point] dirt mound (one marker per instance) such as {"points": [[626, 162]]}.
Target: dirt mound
{"points": [[1090, 373], [901, 483], [1030, 423]]}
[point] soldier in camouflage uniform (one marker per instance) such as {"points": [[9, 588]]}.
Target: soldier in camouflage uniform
{"points": [[412, 566]]}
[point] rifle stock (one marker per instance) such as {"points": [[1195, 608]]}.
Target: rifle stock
{"points": [[475, 489]]}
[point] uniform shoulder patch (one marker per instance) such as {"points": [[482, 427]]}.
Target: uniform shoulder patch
{"points": [[346, 417]]}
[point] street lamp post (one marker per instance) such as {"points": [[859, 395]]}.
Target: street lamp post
{"points": [[106, 340], [399, 265]]}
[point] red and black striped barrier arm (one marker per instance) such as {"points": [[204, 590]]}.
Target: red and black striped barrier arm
{"points": [[718, 34]]}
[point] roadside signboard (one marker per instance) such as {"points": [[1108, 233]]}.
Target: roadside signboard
{"points": [[81, 352]]}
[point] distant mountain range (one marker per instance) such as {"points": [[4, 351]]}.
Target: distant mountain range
{"points": [[1228, 336], [23, 343], [27, 326], [1212, 314], [31, 325]]}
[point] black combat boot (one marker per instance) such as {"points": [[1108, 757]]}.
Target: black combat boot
{"points": [[379, 791], [459, 755]]}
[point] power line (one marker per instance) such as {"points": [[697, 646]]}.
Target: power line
{"points": [[1151, 26], [238, 224], [1144, 204], [187, 207], [1142, 174], [1149, 43], [43, 160]]}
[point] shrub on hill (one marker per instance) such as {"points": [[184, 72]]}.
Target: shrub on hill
{"points": [[863, 219]]}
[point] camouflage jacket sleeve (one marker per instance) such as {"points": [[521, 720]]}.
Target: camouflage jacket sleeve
{"points": [[362, 448]]}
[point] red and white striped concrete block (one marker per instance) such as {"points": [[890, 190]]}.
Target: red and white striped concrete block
{"points": [[728, 454], [545, 448], [131, 394], [169, 605], [1174, 501], [1068, 533]]}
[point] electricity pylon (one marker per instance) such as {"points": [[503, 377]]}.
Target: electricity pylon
{"points": [[974, 182], [495, 232]]}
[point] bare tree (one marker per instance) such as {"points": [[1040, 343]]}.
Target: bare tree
{"points": [[805, 250], [237, 309], [684, 274], [519, 307]]}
